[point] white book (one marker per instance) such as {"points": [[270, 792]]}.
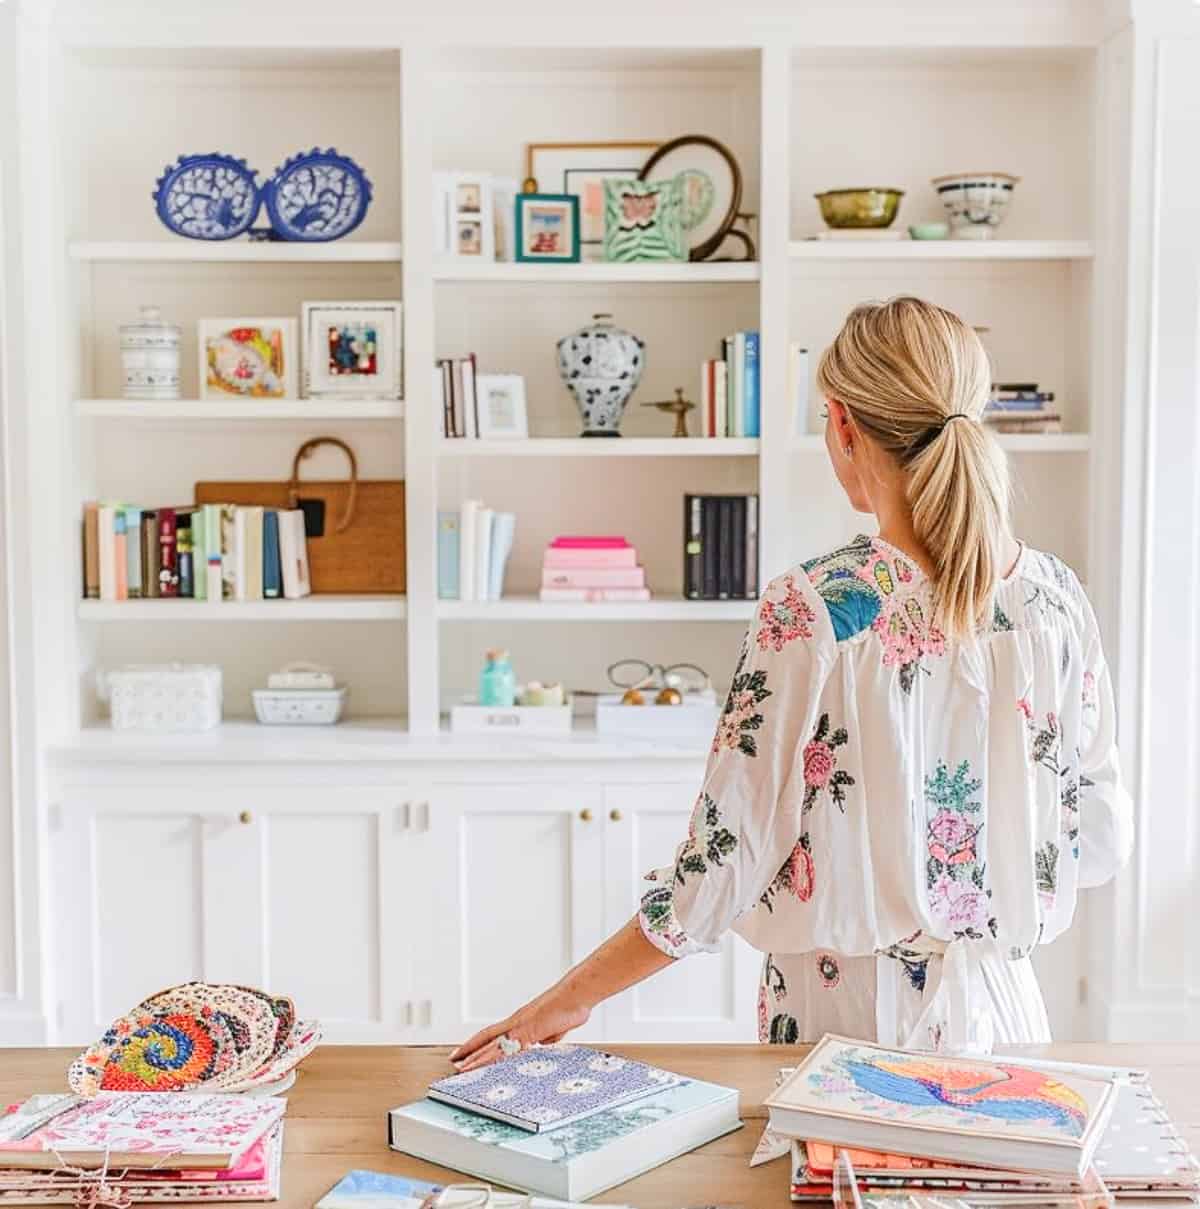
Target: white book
{"points": [[293, 555], [705, 396], [738, 426], [993, 1112], [466, 550], [239, 554], [108, 552], [252, 554], [467, 379], [574, 1162], [504, 526], [483, 551], [721, 390]]}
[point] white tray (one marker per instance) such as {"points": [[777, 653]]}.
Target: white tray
{"points": [[525, 719], [695, 719], [299, 707]]}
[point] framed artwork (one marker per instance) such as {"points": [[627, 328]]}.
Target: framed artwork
{"points": [[500, 399], [643, 220], [352, 349], [547, 227], [580, 170], [247, 358], [463, 217]]}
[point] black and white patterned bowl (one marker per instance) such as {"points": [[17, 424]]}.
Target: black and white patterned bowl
{"points": [[975, 202]]}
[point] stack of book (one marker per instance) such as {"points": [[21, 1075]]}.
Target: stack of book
{"points": [[592, 569], [1008, 1131], [1022, 407], [208, 552], [720, 547], [454, 386], [731, 389], [474, 544], [141, 1147], [562, 1120]]}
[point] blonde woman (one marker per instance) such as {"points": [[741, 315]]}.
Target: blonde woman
{"points": [[915, 771]]}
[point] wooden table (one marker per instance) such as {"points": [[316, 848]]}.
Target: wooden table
{"points": [[336, 1117]]}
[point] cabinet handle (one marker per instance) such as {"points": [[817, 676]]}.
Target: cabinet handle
{"points": [[245, 817], [585, 815], [615, 815]]}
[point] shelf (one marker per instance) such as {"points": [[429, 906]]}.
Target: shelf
{"points": [[309, 608], [234, 250], [248, 409], [941, 249], [529, 608], [653, 447], [1014, 442], [691, 273]]}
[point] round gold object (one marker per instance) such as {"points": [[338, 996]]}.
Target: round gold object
{"points": [[585, 815], [633, 696], [669, 696], [245, 817], [615, 815]]}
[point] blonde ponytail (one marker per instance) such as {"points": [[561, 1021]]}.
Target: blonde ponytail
{"points": [[915, 379]]}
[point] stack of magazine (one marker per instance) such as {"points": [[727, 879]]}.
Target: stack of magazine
{"points": [[562, 1120], [969, 1131]]}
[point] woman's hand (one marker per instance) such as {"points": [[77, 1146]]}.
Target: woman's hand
{"points": [[543, 1020]]}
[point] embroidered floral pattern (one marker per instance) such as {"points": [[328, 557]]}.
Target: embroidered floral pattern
{"points": [[1091, 698], [1045, 749], [904, 632], [853, 602], [914, 963], [658, 916], [1045, 864], [773, 980], [828, 970], [796, 877], [741, 717], [821, 773], [708, 842], [954, 873], [1000, 620], [785, 618], [783, 1030]]}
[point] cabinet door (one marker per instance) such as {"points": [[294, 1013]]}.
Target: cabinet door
{"points": [[706, 997], [307, 894], [512, 879]]}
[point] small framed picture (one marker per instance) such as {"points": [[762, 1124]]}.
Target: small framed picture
{"points": [[463, 216], [248, 358], [352, 349], [547, 227], [500, 399]]}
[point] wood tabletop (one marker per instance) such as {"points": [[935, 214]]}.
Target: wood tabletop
{"points": [[336, 1118]]}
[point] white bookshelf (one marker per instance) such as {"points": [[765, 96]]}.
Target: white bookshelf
{"points": [[225, 410], [306, 609], [600, 273], [625, 447], [532, 609], [235, 251], [941, 249], [1013, 442]]}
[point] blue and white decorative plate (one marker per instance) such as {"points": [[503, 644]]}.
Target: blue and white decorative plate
{"points": [[317, 195], [207, 196]]}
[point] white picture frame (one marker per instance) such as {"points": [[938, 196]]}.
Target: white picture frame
{"points": [[500, 399], [262, 354], [463, 217], [331, 330]]}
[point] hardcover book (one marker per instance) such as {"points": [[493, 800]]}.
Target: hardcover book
{"points": [[595, 577], [551, 1086], [985, 1113], [576, 1161]]}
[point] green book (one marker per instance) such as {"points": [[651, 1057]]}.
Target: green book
{"points": [[199, 557]]}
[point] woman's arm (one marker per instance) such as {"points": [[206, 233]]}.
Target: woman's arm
{"points": [[624, 959]]}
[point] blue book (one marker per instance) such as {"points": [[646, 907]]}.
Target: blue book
{"points": [[448, 541], [133, 551], [272, 565], [753, 386], [376, 1190], [504, 525]]}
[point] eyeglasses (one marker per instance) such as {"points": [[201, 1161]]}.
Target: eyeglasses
{"points": [[637, 673], [475, 1196]]}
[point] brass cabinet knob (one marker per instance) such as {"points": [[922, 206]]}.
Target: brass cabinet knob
{"points": [[585, 815], [615, 815], [245, 817]]}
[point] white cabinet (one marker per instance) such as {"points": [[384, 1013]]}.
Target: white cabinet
{"points": [[301, 891], [706, 997]]}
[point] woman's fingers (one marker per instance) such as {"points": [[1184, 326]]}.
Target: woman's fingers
{"points": [[484, 1035], [484, 1056]]}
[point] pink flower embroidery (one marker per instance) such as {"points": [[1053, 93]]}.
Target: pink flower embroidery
{"points": [[819, 762], [783, 620], [1025, 708], [960, 904], [763, 1015], [797, 874], [1090, 699]]}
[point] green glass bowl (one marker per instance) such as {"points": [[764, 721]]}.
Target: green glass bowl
{"points": [[843, 208]]}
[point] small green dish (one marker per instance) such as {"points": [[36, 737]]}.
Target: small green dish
{"points": [[929, 230]]}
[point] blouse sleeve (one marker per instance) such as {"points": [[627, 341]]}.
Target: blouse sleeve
{"points": [[744, 824], [1105, 810]]}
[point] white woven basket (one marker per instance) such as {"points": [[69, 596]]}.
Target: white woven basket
{"points": [[164, 697]]}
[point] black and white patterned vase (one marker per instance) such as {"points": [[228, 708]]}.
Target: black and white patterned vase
{"points": [[601, 365]]}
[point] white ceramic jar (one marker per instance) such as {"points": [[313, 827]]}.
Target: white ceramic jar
{"points": [[150, 357]]}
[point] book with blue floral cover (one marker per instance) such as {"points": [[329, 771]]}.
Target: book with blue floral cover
{"points": [[551, 1085]]}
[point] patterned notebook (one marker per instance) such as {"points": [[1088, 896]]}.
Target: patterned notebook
{"points": [[551, 1086]]}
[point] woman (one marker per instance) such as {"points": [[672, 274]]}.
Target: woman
{"points": [[915, 771]]}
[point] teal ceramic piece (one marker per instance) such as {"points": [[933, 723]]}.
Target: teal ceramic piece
{"points": [[929, 230], [643, 220]]}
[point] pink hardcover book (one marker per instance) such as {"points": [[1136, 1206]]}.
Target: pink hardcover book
{"points": [[594, 577], [589, 543], [595, 595], [564, 559]]}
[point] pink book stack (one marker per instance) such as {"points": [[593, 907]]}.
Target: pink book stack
{"points": [[592, 569]]}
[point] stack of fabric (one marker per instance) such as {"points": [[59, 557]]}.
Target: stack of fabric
{"points": [[862, 1122]]}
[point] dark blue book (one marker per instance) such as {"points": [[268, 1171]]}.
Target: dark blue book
{"points": [[272, 565]]}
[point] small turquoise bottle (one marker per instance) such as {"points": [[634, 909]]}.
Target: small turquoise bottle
{"points": [[497, 683]]}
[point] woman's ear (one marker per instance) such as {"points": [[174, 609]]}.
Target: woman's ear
{"points": [[843, 426]]}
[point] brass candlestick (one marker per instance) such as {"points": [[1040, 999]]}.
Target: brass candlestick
{"points": [[678, 407]]}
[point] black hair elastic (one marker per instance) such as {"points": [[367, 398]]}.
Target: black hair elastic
{"points": [[955, 415]]}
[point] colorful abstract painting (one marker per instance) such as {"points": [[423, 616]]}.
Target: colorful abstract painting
{"points": [[643, 221]]}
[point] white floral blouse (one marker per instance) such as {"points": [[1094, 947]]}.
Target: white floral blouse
{"points": [[894, 819]]}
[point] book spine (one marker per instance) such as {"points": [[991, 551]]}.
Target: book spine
{"points": [[254, 553], [120, 556], [212, 551], [595, 595], [590, 543], [483, 551], [446, 367], [168, 561], [708, 547], [466, 550], [107, 535], [239, 554], [692, 571], [229, 552], [272, 566], [470, 371], [133, 552], [720, 397], [705, 398], [91, 551], [448, 539], [753, 386], [738, 428], [730, 402], [199, 553], [620, 577], [504, 525], [752, 547], [185, 557], [724, 547], [150, 582], [613, 557], [456, 400], [737, 548]]}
